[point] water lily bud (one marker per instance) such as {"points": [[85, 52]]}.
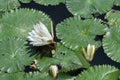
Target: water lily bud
{"points": [[90, 52], [54, 70]]}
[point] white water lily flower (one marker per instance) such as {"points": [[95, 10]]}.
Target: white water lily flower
{"points": [[90, 52], [40, 35], [54, 70]]}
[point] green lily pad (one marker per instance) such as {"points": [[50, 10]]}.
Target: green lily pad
{"points": [[65, 76], [18, 23], [6, 5], [76, 33], [63, 57], [104, 72], [1, 13], [25, 1], [13, 55], [39, 76], [67, 58], [113, 18], [26, 76], [85, 8], [51, 2], [12, 76], [45, 62], [117, 2], [111, 43]]}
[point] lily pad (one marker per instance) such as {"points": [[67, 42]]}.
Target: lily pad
{"points": [[6, 5], [39, 76], [51, 2], [111, 43], [76, 33], [12, 76], [18, 23], [85, 8], [25, 1], [25, 76], [113, 18], [45, 62], [67, 59], [104, 72], [13, 55], [117, 2], [65, 76]]}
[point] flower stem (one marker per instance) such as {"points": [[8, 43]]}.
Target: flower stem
{"points": [[52, 30], [84, 62]]}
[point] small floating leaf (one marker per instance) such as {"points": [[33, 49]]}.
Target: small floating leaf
{"points": [[51, 2], [104, 72], [13, 55], [111, 43], [85, 8]]}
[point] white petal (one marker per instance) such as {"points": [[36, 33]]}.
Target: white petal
{"points": [[41, 29], [93, 49], [34, 38], [88, 49], [37, 43], [90, 52], [44, 30], [30, 38], [40, 35]]}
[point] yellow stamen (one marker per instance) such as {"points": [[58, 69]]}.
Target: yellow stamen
{"points": [[53, 51], [33, 66]]}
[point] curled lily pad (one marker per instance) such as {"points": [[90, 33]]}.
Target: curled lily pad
{"points": [[111, 43], [6, 5], [76, 33], [47, 2], [113, 18], [85, 8], [18, 23], [104, 72], [13, 55]]}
